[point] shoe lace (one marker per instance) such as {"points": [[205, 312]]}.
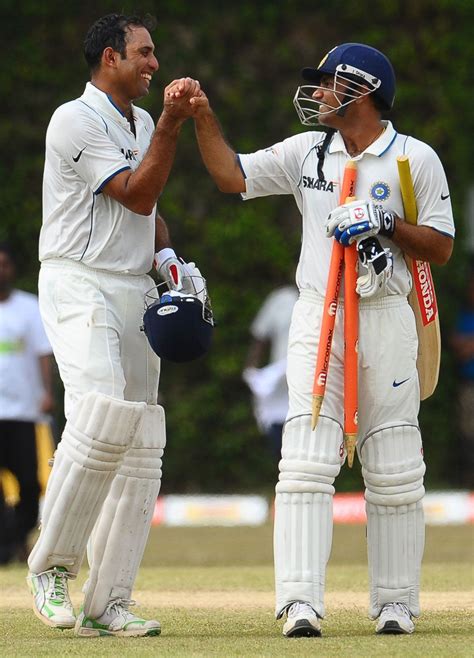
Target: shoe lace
{"points": [[300, 607], [120, 606], [58, 588], [398, 608]]}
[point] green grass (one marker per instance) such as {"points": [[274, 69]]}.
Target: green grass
{"points": [[212, 590]]}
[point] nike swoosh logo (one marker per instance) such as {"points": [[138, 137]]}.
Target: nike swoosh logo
{"points": [[76, 159], [395, 383], [444, 197]]}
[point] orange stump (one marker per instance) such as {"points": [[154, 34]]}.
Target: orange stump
{"points": [[330, 303], [351, 338], [341, 258]]}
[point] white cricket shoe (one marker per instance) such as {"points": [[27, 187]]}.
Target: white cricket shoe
{"points": [[51, 601], [395, 619], [116, 620], [302, 621]]}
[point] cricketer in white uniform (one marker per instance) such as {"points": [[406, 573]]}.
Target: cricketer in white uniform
{"points": [[351, 87], [106, 164]]}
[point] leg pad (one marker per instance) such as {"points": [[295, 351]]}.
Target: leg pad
{"points": [[303, 511], [393, 470], [92, 447], [119, 538]]}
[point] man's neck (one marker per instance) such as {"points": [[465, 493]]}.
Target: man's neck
{"points": [[125, 106], [359, 139]]}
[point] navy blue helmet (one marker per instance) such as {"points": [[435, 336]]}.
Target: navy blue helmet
{"points": [[178, 326], [361, 63]]}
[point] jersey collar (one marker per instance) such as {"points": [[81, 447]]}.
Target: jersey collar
{"points": [[103, 103], [377, 148]]}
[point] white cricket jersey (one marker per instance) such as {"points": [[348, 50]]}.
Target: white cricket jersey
{"points": [[290, 167], [22, 342], [88, 142]]}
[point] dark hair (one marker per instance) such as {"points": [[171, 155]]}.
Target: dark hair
{"points": [[111, 31]]}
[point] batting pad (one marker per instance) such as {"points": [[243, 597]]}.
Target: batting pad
{"points": [[393, 470], [118, 541], [93, 443], [303, 510]]}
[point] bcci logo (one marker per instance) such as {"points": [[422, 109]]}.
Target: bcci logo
{"points": [[380, 191]]}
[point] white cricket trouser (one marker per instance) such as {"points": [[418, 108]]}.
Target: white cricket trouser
{"points": [[92, 319], [387, 357]]}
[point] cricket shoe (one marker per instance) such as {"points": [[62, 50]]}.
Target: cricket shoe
{"points": [[116, 620], [395, 619], [51, 601], [302, 621]]}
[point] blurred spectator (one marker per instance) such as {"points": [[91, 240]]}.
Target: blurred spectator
{"points": [[462, 342], [269, 331], [25, 394]]}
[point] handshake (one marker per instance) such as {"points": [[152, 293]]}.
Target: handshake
{"points": [[360, 222]]}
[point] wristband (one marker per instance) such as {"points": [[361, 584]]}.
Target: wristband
{"points": [[387, 223]]}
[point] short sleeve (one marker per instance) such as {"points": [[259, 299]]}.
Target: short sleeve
{"points": [[431, 188], [277, 169], [80, 137]]}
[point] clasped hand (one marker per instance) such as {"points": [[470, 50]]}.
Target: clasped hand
{"points": [[178, 95]]}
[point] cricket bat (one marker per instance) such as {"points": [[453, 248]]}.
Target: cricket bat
{"points": [[422, 297]]}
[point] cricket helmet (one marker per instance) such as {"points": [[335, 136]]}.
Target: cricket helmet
{"points": [[178, 325], [360, 63]]}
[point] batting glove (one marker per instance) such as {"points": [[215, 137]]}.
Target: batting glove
{"points": [[181, 276], [359, 219], [379, 264]]}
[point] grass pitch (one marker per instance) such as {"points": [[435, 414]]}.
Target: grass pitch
{"points": [[212, 590]]}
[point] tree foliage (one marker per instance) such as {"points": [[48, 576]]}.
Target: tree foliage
{"points": [[248, 58]]}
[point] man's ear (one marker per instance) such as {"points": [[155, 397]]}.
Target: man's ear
{"points": [[110, 56]]}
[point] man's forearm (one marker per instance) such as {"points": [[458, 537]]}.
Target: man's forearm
{"points": [[219, 158], [423, 243], [149, 179], [162, 236]]}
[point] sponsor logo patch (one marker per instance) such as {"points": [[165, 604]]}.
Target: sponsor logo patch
{"points": [[78, 156], [425, 291], [167, 310], [395, 383], [130, 154], [316, 184]]}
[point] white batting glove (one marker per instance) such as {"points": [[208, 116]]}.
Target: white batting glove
{"points": [[379, 264], [193, 281], [181, 276], [359, 219]]}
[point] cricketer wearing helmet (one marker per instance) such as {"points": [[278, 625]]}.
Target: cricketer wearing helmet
{"points": [[346, 94], [106, 165]]}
